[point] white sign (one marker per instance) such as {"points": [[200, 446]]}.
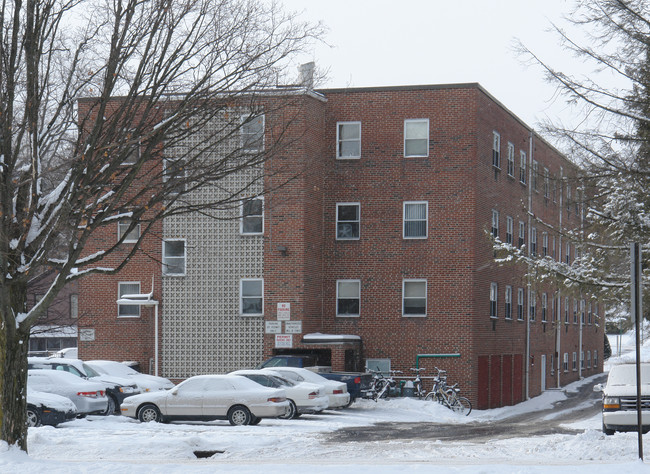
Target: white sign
{"points": [[273, 327], [284, 311], [283, 341], [86, 334], [293, 327]]}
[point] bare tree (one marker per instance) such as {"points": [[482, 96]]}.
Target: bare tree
{"points": [[99, 103], [609, 139]]}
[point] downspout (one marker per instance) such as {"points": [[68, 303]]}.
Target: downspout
{"points": [[528, 284], [560, 320]]}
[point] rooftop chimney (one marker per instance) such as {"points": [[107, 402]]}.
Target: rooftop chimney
{"points": [[307, 75]]}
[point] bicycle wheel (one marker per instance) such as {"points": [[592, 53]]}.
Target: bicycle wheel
{"points": [[462, 406]]}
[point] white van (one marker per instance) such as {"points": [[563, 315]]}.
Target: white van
{"points": [[619, 399]]}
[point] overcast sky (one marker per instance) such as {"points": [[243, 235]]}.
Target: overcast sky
{"points": [[382, 43]]}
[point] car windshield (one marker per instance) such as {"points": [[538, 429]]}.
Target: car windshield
{"points": [[291, 376], [90, 371], [283, 381], [114, 368], [626, 375]]}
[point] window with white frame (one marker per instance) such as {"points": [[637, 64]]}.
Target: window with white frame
{"points": [[128, 288], [378, 365], [252, 217], [495, 224], [496, 150], [547, 184], [252, 133], [251, 296], [565, 362], [566, 310], [533, 241], [568, 198], [589, 359], [74, 305], [416, 137], [575, 311], [589, 313], [582, 360], [522, 234], [595, 359], [567, 254], [174, 175], [544, 307], [348, 215], [173, 257], [544, 244], [522, 167], [520, 304], [348, 297], [131, 150], [582, 311], [508, 302], [414, 297], [552, 364], [348, 140], [415, 220], [493, 299], [532, 300], [511, 159], [534, 175], [131, 236], [509, 229], [574, 360]]}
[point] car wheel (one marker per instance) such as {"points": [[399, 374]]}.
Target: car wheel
{"points": [[292, 412], [149, 412], [608, 431], [239, 415], [256, 420], [33, 417], [112, 406]]}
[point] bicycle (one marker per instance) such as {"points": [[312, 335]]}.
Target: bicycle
{"points": [[448, 395], [382, 385], [418, 387]]}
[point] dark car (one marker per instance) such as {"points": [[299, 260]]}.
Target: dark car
{"points": [[48, 409]]}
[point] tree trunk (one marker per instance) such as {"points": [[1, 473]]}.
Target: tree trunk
{"points": [[13, 385]]}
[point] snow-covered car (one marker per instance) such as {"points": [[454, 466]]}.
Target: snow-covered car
{"points": [[145, 382], [337, 392], [48, 408], [89, 397], [304, 397], [619, 399], [209, 397], [116, 388]]}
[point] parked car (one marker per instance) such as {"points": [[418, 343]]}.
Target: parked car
{"points": [[89, 397], [145, 382], [619, 399], [48, 408], [116, 388], [303, 397], [209, 397], [337, 392], [359, 383]]}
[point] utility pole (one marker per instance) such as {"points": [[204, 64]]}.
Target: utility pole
{"points": [[637, 315]]}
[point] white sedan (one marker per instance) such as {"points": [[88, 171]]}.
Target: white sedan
{"points": [[304, 397], [337, 392], [209, 397], [89, 397], [145, 382]]}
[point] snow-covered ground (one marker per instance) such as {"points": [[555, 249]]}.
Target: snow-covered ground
{"points": [[121, 445]]}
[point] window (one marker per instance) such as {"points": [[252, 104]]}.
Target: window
{"points": [[348, 297], [173, 257], [74, 305], [414, 298], [552, 364], [123, 231], [174, 174], [565, 362], [511, 160], [416, 137], [582, 311], [567, 255], [252, 133], [575, 311], [522, 234], [522, 167], [131, 150], [415, 220], [589, 313], [535, 175], [348, 140], [493, 300], [508, 301], [495, 224], [347, 221], [520, 304], [582, 360], [532, 300], [589, 359], [574, 361], [509, 229], [568, 198], [252, 217], [547, 184], [544, 307], [544, 244], [595, 359], [533, 241], [128, 288], [566, 310], [379, 365], [251, 300], [496, 150]]}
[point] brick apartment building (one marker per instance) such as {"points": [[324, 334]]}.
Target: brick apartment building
{"points": [[376, 253]]}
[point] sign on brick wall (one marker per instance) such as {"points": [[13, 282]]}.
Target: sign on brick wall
{"points": [[283, 341], [293, 327], [273, 327], [284, 311]]}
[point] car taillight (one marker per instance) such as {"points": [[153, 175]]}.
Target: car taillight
{"points": [[91, 394], [357, 380], [277, 399], [313, 395], [337, 392]]}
